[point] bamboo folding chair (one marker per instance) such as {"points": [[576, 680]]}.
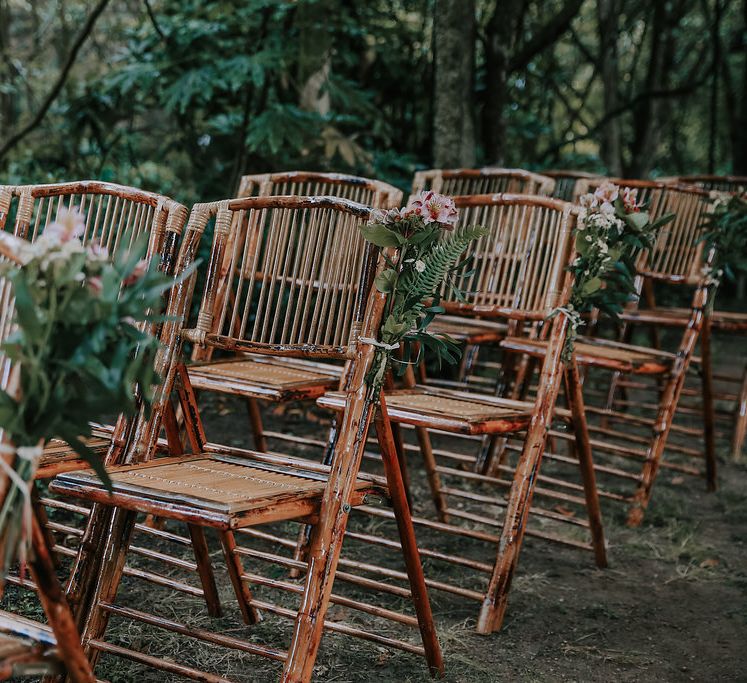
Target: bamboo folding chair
{"points": [[28, 647], [256, 378], [519, 275], [565, 182], [718, 322], [489, 180], [306, 253], [633, 453], [115, 216]]}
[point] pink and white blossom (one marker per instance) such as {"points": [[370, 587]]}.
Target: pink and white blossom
{"points": [[434, 208], [68, 225], [607, 192]]}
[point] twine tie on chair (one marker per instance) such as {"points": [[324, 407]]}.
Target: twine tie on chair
{"points": [[381, 345]]}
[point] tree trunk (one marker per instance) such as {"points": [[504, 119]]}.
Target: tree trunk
{"points": [[453, 142], [498, 47], [611, 133], [314, 53], [739, 146]]}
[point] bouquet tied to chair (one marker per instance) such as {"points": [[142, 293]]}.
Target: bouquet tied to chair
{"points": [[427, 246], [75, 353]]}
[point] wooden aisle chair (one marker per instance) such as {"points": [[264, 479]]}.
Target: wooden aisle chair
{"points": [[30, 648], [565, 182], [633, 452], [330, 310], [257, 378], [488, 180], [476, 181], [115, 216], [518, 275], [722, 322]]}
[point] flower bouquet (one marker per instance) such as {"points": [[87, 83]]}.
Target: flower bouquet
{"points": [[611, 231], [427, 247], [76, 350], [725, 234]]}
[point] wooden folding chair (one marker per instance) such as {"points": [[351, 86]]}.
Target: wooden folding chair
{"points": [[306, 253], [519, 275], [489, 180], [633, 452], [255, 378], [734, 390], [115, 217], [27, 647]]}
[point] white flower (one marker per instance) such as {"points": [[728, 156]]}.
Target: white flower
{"points": [[607, 209], [419, 266]]}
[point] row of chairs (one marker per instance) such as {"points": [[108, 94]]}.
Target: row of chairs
{"points": [[267, 251]]}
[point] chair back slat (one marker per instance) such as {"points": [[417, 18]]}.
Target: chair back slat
{"points": [[468, 181], [373, 193], [115, 216], [720, 183], [285, 275], [518, 267], [677, 255]]}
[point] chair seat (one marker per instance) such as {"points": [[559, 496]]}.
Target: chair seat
{"points": [[448, 410], [724, 321], [27, 648], [602, 354], [270, 379], [212, 489], [58, 457], [469, 330]]}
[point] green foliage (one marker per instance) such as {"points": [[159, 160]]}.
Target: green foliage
{"points": [[77, 352], [726, 234], [427, 257], [611, 232]]}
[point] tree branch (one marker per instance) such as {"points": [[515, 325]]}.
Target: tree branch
{"points": [[546, 36], [14, 139]]}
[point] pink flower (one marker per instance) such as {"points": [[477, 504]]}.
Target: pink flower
{"points": [[630, 199], [607, 192], [98, 251], [140, 269], [434, 208], [68, 225]]}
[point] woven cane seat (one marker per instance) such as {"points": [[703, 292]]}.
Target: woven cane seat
{"points": [[724, 321], [448, 410], [218, 490], [467, 330], [603, 354], [59, 457], [271, 379]]}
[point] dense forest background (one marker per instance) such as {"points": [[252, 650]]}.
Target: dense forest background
{"points": [[183, 96]]}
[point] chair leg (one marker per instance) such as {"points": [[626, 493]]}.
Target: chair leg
{"points": [[582, 447], [512, 534], [57, 609], [41, 515], [327, 537], [205, 569], [740, 421], [113, 553], [398, 496], [235, 572], [255, 420], [709, 415], [434, 480], [522, 489]]}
